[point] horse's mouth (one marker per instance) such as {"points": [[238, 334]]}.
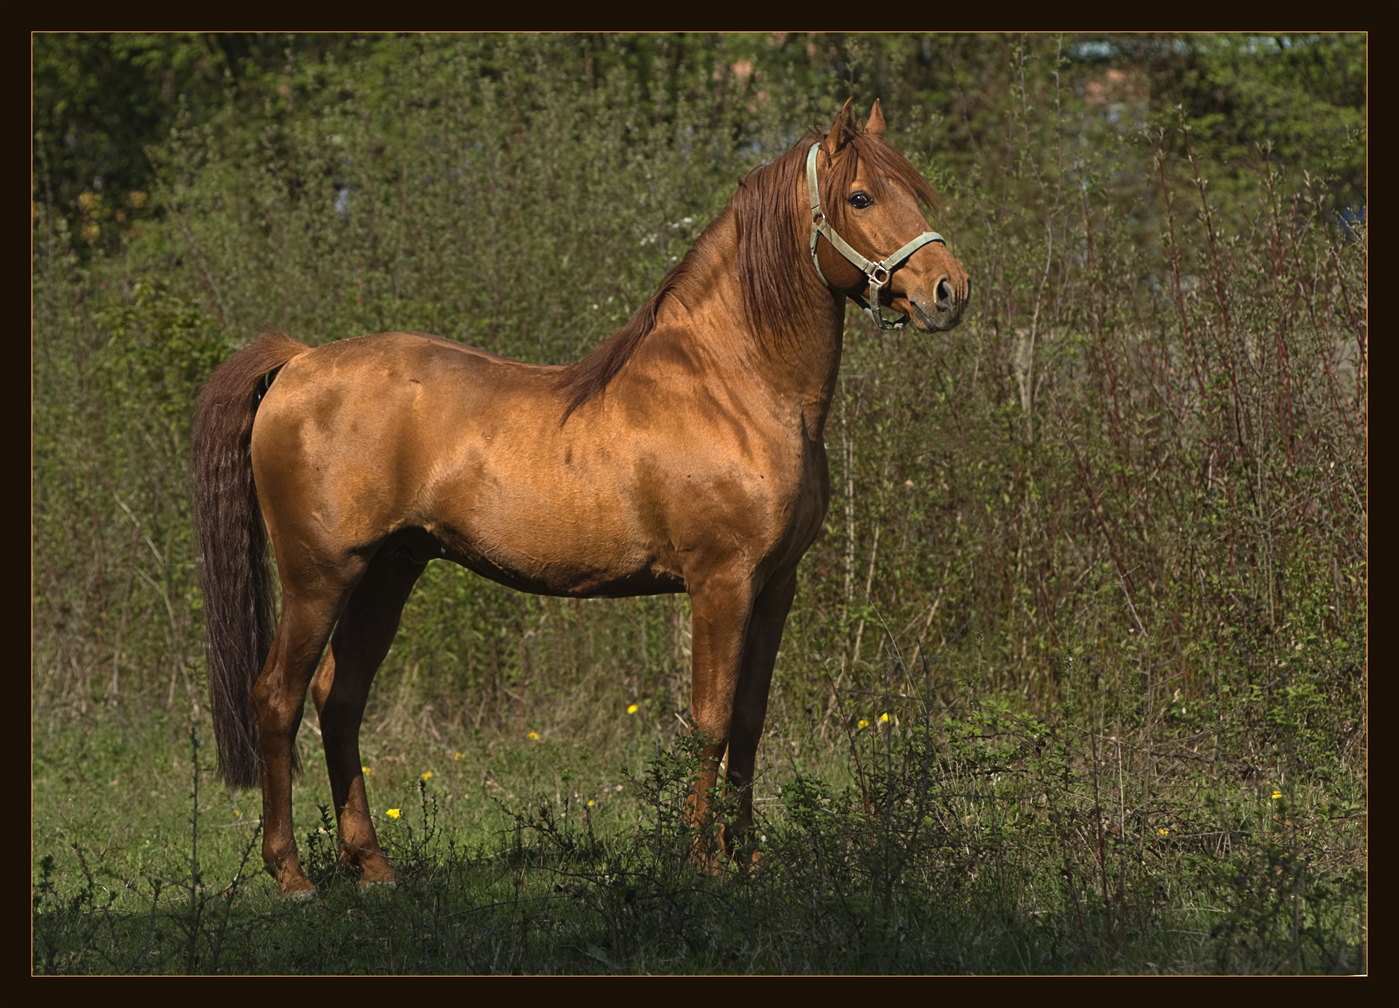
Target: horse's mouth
{"points": [[938, 319]]}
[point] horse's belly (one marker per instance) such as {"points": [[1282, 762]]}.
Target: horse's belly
{"points": [[543, 573], [574, 583], [551, 550]]}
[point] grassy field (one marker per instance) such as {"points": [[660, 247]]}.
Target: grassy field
{"points": [[924, 827]]}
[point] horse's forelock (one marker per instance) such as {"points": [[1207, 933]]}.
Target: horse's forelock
{"points": [[887, 167]]}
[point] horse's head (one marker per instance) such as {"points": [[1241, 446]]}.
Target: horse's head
{"points": [[872, 200]]}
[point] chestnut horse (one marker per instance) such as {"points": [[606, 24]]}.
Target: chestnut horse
{"points": [[685, 454]]}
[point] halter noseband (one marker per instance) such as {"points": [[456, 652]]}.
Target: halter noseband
{"points": [[877, 273]]}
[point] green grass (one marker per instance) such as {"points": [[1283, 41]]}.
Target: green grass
{"points": [[958, 836]]}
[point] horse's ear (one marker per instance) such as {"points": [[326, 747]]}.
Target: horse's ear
{"points": [[841, 130], [876, 123]]}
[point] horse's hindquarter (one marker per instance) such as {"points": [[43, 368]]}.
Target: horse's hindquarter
{"points": [[335, 454]]}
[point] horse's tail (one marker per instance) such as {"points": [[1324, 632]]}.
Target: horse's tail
{"points": [[234, 574]]}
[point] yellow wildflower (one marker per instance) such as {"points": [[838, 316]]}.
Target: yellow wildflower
{"points": [[457, 756], [884, 717], [632, 708], [864, 723], [1277, 794], [427, 775], [1162, 832], [591, 803], [532, 736], [393, 813]]}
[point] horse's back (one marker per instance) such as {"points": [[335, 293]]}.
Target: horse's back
{"points": [[389, 372], [376, 361]]}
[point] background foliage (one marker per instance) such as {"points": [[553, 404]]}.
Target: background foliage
{"points": [[1137, 472]]}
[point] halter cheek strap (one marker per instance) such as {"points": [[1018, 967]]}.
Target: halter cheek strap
{"points": [[877, 273]]}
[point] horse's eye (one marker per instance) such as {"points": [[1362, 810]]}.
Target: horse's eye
{"points": [[860, 201]]}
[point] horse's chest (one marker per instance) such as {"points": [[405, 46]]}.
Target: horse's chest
{"points": [[810, 512], [797, 501]]}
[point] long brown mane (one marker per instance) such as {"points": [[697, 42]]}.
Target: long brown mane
{"points": [[769, 230]]}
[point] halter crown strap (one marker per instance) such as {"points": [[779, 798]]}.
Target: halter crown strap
{"points": [[877, 273]]}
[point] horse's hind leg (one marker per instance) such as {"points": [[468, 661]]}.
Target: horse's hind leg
{"points": [[279, 696], [341, 688]]}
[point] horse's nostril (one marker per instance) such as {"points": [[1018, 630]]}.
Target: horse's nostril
{"points": [[944, 291]]}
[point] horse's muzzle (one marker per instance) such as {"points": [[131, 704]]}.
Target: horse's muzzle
{"points": [[944, 309]]}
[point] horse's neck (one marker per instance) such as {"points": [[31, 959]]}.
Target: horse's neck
{"points": [[709, 311]]}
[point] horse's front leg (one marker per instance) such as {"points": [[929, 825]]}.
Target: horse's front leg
{"points": [[751, 698], [340, 690], [720, 606]]}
